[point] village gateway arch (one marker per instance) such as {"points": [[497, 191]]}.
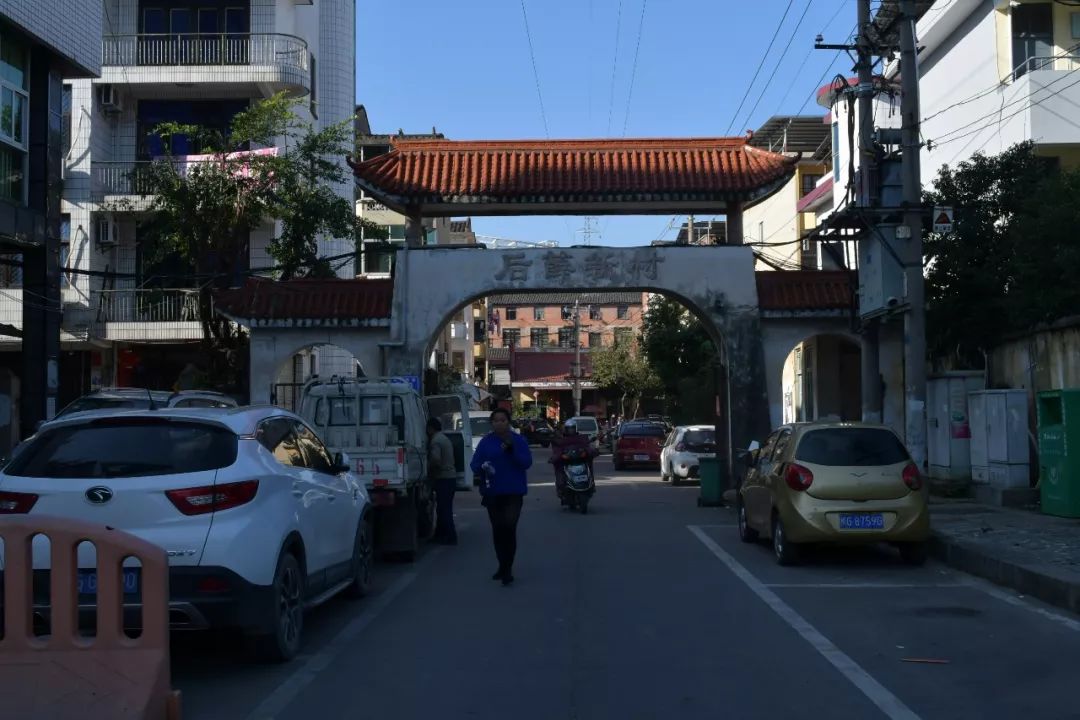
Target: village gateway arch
{"points": [[439, 178]]}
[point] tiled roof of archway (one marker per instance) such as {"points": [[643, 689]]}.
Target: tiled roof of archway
{"points": [[804, 290], [308, 302], [428, 173]]}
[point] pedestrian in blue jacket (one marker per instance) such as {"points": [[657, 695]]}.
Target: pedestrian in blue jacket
{"points": [[500, 461]]}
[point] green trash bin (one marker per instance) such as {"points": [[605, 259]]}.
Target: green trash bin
{"points": [[712, 494], [1058, 413]]}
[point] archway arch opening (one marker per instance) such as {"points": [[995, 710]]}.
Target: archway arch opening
{"points": [[821, 379], [322, 359]]}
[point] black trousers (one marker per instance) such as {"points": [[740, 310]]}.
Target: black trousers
{"points": [[504, 512]]}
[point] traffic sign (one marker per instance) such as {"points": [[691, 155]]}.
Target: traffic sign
{"points": [[943, 219]]}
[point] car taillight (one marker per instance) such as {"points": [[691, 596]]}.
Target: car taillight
{"points": [[681, 447], [798, 478], [400, 456], [912, 476], [211, 498], [16, 503]]}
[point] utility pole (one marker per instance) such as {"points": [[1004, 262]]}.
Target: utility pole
{"points": [[576, 370], [915, 319], [690, 230], [866, 199]]}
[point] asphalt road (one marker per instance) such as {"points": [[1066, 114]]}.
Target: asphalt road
{"points": [[650, 607]]}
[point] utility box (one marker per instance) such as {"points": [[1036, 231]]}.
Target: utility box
{"points": [[999, 438], [948, 433], [1058, 414]]}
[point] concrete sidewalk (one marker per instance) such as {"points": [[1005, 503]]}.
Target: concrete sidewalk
{"points": [[1036, 555]]}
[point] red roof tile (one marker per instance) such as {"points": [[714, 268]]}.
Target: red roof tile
{"points": [[805, 290], [442, 171], [337, 302]]}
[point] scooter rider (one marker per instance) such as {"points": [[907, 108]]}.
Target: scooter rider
{"points": [[570, 439]]}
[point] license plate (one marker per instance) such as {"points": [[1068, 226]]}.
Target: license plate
{"points": [[862, 521], [641, 458], [88, 582]]}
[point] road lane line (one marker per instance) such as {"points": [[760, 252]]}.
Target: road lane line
{"points": [[874, 691], [865, 586], [314, 664]]}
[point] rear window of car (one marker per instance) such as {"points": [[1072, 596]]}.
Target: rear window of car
{"points": [[128, 447], [700, 437], [854, 446], [587, 425], [643, 430]]}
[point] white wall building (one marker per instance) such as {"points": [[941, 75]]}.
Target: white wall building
{"points": [[996, 73], [200, 63]]}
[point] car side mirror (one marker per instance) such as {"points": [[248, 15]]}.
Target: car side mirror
{"points": [[341, 463]]}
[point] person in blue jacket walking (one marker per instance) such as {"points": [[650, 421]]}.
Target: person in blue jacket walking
{"points": [[500, 462]]}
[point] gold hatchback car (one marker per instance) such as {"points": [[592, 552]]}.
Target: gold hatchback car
{"points": [[834, 483]]}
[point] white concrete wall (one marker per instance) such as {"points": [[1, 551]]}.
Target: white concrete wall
{"points": [[775, 221]]}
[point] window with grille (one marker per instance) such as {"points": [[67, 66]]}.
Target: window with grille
{"points": [[538, 337], [596, 340], [538, 313], [623, 312], [595, 312], [566, 337], [511, 337], [511, 313]]}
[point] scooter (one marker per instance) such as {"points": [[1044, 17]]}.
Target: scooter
{"points": [[579, 486]]}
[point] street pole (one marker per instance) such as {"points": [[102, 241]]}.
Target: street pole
{"points": [[577, 360], [870, 350], [915, 318]]}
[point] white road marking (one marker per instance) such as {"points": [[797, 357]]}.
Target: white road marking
{"points": [[314, 664], [1020, 602], [864, 586], [874, 691]]}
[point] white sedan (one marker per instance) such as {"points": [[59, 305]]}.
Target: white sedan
{"points": [[683, 449], [258, 520]]}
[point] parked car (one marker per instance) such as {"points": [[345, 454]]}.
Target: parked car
{"points": [[834, 483], [588, 426], [639, 443], [537, 431], [259, 521], [140, 399], [683, 449]]}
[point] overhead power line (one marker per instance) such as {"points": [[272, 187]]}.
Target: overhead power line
{"points": [[779, 61], [614, 68], [761, 64], [806, 59], [633, 69], [536, 75]]}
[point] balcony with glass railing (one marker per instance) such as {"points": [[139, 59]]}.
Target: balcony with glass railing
{"points": [[202, 62]]}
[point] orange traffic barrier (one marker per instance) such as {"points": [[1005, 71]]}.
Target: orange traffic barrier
{"points": [[63, 674]]}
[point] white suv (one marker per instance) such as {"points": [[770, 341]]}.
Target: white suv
{"points": [[258, 520]]}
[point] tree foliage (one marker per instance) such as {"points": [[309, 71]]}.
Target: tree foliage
{"points": [[203, 211], [1010, 262], [621, 369], [679, 349]]}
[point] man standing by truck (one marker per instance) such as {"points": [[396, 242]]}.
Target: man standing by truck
{"points": [[443, 473]]}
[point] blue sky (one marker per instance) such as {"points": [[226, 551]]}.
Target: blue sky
{"points": [[464, 67]]}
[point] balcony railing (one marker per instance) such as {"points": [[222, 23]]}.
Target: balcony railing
{"points": [[119, 178], [145, 305], [206, 49]]}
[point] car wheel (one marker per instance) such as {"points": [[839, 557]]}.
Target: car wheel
{"points": [[363, 559], [282, 641], [746, 533], [787, 552], [675, 479], [914, 553]]}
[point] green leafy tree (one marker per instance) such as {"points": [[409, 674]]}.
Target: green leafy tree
{"points": [[202, 213], [1010, 262], [622, 370], [680, 351]]}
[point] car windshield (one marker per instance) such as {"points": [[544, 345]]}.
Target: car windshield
{"points": [[586, 425], [126, 447], [851, 446], [478, 425], [643, 430]]}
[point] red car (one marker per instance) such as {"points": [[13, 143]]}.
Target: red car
{"points": [[639, 443]]}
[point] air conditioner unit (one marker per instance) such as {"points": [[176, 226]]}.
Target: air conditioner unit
{"points": [[106, 233], [109, 99]]}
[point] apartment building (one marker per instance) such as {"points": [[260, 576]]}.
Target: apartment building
{"points": [[778, 225], [993, 74], [43, 44], [543, 321], [191, 61]]}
